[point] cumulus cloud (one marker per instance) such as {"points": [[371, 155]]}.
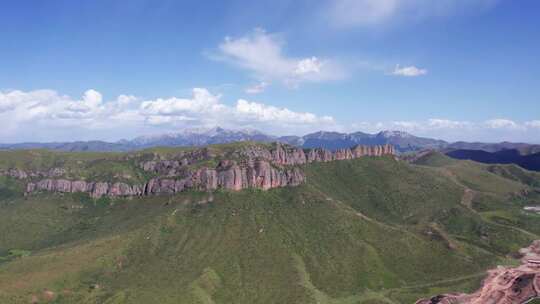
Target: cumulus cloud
{"points": [[49, 116], [365, 13], [26, 100], [204, 108], [202, 102], [408, 71], [262, 54], [47, 113], [308, 65], [264, 113], [501, 123]]}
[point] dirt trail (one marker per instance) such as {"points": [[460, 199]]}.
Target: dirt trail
{"points": [[468, 197]]}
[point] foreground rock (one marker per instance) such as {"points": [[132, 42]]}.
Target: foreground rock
{"points": [[256, 166], [503, 285]]}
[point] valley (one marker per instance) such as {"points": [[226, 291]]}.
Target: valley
{"points": [[374, 229]]}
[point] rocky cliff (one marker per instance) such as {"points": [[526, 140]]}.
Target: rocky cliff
{"points": [[21, 174], [503, 285], [255, 166]]}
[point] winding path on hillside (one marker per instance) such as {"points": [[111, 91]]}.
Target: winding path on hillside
{"points": [[467, 200]]}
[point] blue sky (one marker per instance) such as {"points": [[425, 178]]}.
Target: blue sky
{"points": [[452, 69]]}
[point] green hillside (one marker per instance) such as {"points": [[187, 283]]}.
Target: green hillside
{"points": [[369, 231]]}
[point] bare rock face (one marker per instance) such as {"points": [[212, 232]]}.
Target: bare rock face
{"points": [[21, 174], [15, 173], [95, 190], [80, 186], [503, 285], [288, 156], [254, 167], [123, 189], [100, 189], [319, 155], [231, 176]]}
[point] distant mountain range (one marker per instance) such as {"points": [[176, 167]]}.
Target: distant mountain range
{"points": [[187, 138], [403, 141], [510, 156], [522, 148]]}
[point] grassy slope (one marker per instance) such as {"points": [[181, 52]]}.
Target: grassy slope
{"points": [[361, 231]]}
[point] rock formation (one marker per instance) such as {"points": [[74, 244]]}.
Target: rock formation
{"points": [[228, 175], [255, 166], [21, 174], [503, 285]]}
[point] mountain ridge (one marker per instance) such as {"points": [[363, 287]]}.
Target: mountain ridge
{"points": [[404, 142], [507, 156], [370, 230], [234, 167]]}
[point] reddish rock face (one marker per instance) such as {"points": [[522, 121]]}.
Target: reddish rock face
{"points": [[79, 186], [231, 176], [287, 156], [259, 167], [100, 189], [503, 285]]}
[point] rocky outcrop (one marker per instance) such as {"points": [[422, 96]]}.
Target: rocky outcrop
{"points": [[228, 175], [177, 165], [255, 166], [286, 155], [95, 189], [21, 174], [503, 285], [280, 155], [15, 173]]}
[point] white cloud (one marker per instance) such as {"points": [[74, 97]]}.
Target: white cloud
{"points": [[92, 98], [206, 109], [492, 130], [126, 99], [369, 13], [264, 113], [408, 71], [262, 54], [202, 102], [533, 124], [501, 123], [437, 123], [257, 88], [47, 115], [308, 65], [18, 99], [405, 125]]}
